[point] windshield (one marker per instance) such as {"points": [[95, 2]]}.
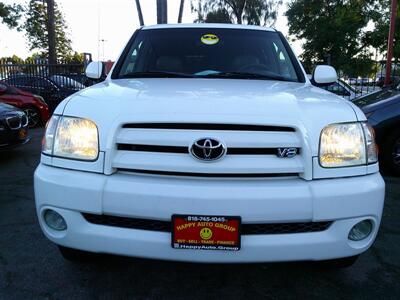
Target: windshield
{"points": [[207, 53]]}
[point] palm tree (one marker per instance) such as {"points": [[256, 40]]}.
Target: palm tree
{"points": [[162, 12], [181, 11], [139, 11]]}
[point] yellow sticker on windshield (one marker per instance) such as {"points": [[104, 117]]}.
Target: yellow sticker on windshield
{"points": [[210, 39]]}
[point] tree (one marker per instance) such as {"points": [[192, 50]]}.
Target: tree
{"points": [[255, 12], [219, 16], [10, 14], [36, 29], [377, 38], [333, 29], [75, 58], [51, 31], [12, 59], [162, 12]]}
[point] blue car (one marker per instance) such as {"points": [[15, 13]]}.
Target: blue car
{"points": [[383, 112]]}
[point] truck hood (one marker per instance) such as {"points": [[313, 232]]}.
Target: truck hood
{"points": [[232, 101]]}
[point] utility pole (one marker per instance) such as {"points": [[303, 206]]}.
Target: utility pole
{"points": [[51, 29], [139, 11], [162, 12], [103, 41], [393, 16]]}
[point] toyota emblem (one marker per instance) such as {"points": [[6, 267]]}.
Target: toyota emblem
{"points": [[207, 149]]}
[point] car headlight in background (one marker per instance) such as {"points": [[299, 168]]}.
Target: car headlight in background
{"points": [[347, 144], [71, 137]]}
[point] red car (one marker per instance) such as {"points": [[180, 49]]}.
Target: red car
{"points": [[34, 106]]}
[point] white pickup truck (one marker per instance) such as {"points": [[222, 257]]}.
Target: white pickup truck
{"points": [[208, 143]]}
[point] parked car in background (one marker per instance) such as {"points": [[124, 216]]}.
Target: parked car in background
{"points": [[383, 112], [342, 89], [352, 81], [33, 105], [67, 82], [380, 81], [51, 90], [13, 127]]}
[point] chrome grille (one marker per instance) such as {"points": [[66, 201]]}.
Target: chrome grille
{"points": [[164, 149]]}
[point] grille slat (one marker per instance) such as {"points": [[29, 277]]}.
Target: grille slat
{"points": [[247, 229], [201, 126], [179, 149], [209, 175]]}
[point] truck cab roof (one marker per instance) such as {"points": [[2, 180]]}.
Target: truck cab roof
{"points": [[207, 25]]}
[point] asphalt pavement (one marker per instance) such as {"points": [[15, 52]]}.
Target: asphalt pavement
{"points": [[32, 268]]}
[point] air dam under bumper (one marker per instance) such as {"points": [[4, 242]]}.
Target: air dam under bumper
{"points": [[345, 201]]}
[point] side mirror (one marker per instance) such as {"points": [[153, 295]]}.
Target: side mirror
{"points": [[324, 75], [94, 70]]}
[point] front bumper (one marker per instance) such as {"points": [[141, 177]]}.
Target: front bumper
{"points": [[345, 201], [12, 138]]}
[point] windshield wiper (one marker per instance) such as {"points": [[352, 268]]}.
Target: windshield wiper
{"points": [[243, 75], [156, 74]]}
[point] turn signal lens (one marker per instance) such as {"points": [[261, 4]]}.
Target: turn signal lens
{"points": [[372, 148], [48, 139]]}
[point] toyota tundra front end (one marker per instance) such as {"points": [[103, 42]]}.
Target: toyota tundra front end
{"points": [[208, 143]]}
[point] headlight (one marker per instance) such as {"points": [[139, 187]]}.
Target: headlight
{"points": [[347, 144], [71, 137]]}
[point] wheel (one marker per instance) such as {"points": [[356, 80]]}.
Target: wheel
{"points": [[75, 255], [339, 263], [391, 153], [33, 116]]}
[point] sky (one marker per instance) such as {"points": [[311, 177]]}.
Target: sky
{"points": [[113, 21]]}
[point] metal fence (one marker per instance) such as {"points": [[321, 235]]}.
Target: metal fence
{"points": [[53, 82], [56, 82]]}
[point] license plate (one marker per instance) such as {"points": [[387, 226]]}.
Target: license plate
{"points": [[22, 134], [206, 232]]}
